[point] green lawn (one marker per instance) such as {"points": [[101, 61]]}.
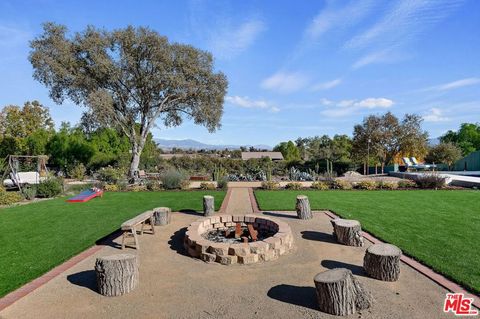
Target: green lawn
{"points": [[37, 237], [439, 228]]}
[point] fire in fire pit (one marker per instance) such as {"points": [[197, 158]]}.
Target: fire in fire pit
{"points": [[243, 239]]}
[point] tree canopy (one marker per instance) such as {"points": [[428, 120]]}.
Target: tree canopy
{"points": [[386, 137], [446, 153], [289, 151], [130, 76], [467, 138]]}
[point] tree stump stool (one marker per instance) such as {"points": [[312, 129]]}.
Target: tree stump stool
{"points": [[116, 274], [208, 205], [340, 293], [382, 261], [347, 232], [162, 216], [303, 207]]}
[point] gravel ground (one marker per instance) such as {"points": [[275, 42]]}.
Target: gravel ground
{"points": [[173, 285]]}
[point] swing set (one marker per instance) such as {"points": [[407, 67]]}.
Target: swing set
{"points": [[35, 166]]}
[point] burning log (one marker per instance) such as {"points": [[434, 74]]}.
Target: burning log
{"points": [[238, 230]]}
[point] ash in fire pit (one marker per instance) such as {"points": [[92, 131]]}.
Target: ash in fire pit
{"points": [[242, 239], [232, 235]]}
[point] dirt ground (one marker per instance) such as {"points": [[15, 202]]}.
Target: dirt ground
{"points": [[173, 285]]}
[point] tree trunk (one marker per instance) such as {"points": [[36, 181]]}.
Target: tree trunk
{"points": [[135, 162], [116, 274], [303, 207], [208, 205], [162, 216], [382, 261], [340, 293], [348, 232]]}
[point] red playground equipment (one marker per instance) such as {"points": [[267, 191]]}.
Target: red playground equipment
{"points": [[85, 196]]}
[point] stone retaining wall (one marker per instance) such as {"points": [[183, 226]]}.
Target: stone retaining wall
{"points": [[242, 253]]}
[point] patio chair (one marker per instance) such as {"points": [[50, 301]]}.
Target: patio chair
{"points": [[408, 163], [422, 165]]}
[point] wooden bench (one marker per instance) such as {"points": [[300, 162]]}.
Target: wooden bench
{"points": [[129, 227]]}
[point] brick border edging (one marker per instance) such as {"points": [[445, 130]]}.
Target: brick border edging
{"points": [[226, 199], [253, 201], [24, 290], [424, 270]]}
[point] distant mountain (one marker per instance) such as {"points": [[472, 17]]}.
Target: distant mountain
{"points": [[196, 145]]}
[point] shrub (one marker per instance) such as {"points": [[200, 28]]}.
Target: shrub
{"points": [[387, 185], [406, 183], [294, 186], [49, 188], [270, 185], [223, 183], [174, 179], [207, 186], [8, 198], [111, 188], [431, 181], [185, 185], [78, 172], [137, 188], [367, 185], [29, 192], [153, 186], [322, 186], [122, 185], [341, 184], [110, 175]]}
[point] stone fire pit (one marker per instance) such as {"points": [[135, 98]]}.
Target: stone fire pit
{"points": [[228, 239]]}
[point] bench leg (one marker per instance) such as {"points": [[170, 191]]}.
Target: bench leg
{"points": [[152, 224], [123, 239], [141, 230], [135, 238]]}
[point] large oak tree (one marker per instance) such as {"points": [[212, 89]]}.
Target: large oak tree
{"points": [[131, 77]]}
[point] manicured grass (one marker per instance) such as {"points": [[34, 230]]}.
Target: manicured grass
{"points": [[39, 236], [439, 228]]}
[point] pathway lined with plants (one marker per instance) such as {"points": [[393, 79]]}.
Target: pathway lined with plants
{"points": [[239, 202]]}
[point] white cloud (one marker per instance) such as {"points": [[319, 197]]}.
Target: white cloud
{"points": [[326, 85], [228, 42], [338, 18], [457, 84], [348, 107], [403, 22], [325, 102], [246, 102], [285, 82], [435, 115]]}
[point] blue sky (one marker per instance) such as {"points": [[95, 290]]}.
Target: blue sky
{"points": [[295, 68]]}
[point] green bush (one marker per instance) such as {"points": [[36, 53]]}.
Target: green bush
{"points": [[110, 175], [406, 183], [78, 172], [154, 186], [431, 181], [270, 185], [341, 184], [223, 183], [387, 185], [367, 185], [173, 179], [111, 188], [322, 186], [294, 186], [49, 188], [29, 192], [8, 198], [137, 188], [207, 186]]}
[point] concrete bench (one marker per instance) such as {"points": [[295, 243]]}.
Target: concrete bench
{"points": [[129, 227]]}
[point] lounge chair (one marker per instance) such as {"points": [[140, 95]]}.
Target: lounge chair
{"points": [[422, 165], [408, 163]]}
